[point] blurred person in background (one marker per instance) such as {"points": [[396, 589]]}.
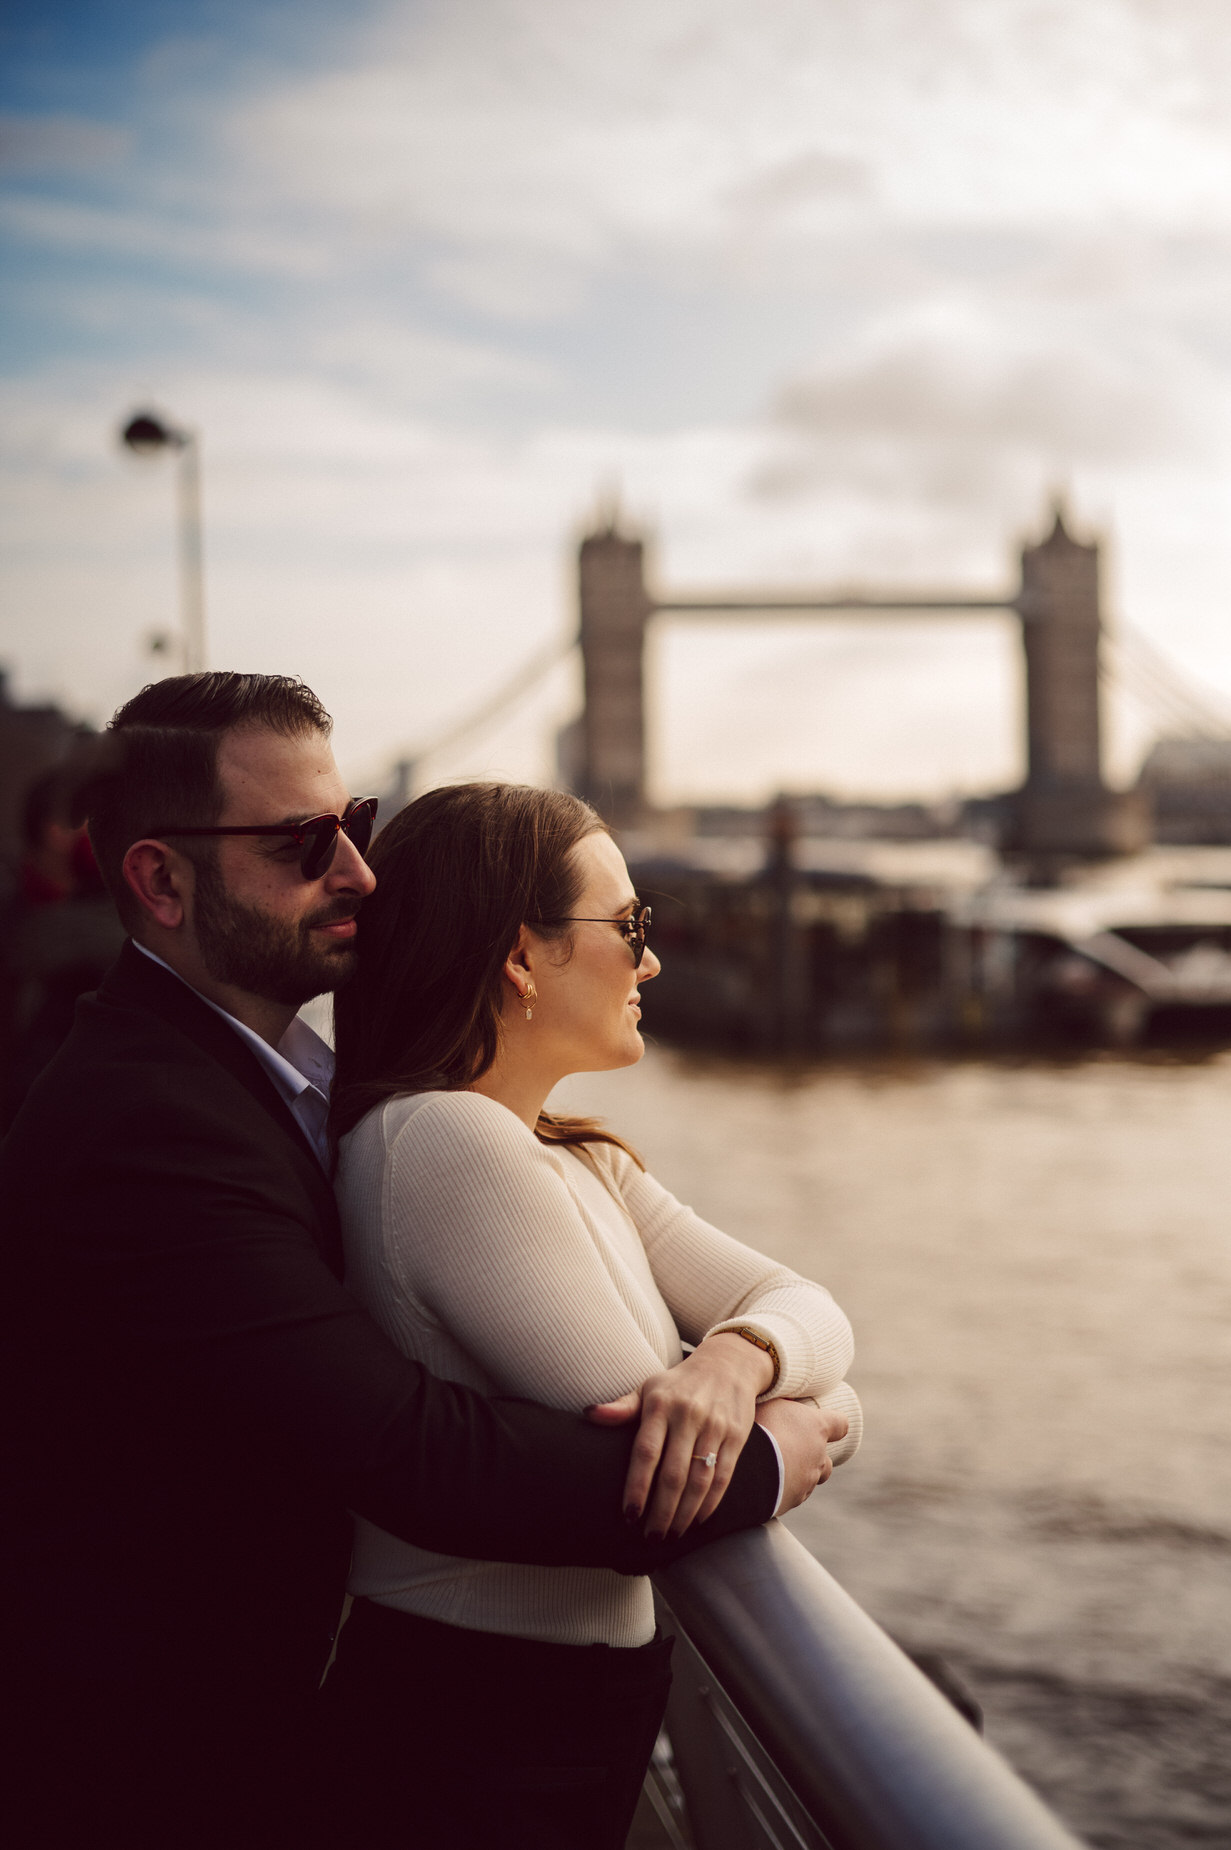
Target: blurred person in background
{"points": [[520, 1252], [61, 933]]}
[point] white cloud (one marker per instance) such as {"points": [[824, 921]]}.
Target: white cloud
{"points": [[163, 236], [954, 405], [567, 135]]}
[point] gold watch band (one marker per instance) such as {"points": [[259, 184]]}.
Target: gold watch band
{"points": [[762, 1342]]}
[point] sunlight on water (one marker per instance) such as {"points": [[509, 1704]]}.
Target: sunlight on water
{"points": [[1037, 1262]]}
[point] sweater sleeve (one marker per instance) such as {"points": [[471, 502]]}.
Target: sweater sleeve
{"points": [[478, 1226], [713, 1283]]}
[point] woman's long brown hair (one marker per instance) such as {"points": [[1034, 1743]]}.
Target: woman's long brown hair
{"points": [[458, 872]]}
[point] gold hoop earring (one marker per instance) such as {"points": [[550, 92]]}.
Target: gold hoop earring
{"points": [[530, 996]]}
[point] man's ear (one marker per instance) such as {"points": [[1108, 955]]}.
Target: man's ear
{"points": [[161, 880]]}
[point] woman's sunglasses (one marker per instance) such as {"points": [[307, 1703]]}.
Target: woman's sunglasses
{"points": [[316, 839], [634, 929]]}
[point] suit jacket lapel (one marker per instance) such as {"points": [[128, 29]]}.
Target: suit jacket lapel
{"points": [[134, 982]]}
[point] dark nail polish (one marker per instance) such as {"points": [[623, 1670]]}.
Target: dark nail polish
{"points": [[655, 1535], [631, 1513]]}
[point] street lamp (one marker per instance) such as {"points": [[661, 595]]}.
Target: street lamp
{"points": [[146, 434]]}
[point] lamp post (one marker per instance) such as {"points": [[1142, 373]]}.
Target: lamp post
{"points": [[146, 434]]}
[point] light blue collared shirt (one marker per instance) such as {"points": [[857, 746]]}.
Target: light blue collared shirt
{"points": [[300, 1066]]}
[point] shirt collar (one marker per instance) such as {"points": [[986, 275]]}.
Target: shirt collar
{"points": [[299, 1061]]}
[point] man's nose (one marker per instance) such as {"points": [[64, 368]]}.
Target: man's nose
{"points": [[348, 872], [648, 967]]}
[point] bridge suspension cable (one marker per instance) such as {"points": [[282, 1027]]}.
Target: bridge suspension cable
{"points": [[521, 682], [1133, 663]]}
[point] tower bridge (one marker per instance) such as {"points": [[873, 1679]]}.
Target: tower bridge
{"points": [[1064, 807], [808, 946]]}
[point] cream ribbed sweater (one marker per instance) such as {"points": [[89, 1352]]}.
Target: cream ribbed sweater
{"points": [[566, 1278]]}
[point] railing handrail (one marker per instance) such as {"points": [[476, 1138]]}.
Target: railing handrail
{"points": [[875, 1755]]}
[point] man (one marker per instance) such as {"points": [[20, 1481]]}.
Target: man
{"points": [[190, 1402]]}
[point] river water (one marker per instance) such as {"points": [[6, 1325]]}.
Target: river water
{"points": [[1037, 1262]]}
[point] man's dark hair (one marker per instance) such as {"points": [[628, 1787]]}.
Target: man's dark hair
{"points": [[158, 761]]}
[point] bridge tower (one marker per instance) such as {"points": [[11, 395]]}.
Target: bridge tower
{"points": [[615, 607], [1064, 806], [1061, 630]]}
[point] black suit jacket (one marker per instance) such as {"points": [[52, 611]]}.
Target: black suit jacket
{"points": [[190, 1404]]}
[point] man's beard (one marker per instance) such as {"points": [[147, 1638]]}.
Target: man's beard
{"points": [[245, 947]]}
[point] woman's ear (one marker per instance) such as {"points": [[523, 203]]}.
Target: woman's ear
{"points": [[517, 969], [519, 974]]}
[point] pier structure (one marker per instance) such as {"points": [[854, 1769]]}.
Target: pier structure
{"points": [[1063, 809]]}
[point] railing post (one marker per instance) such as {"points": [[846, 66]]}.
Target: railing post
{"points": [[734, 1798]]}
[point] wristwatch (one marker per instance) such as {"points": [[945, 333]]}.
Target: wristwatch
{"points": [[761, 1342]]}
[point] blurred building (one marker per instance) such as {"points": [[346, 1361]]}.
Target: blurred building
{"points": [[1188, 784]]}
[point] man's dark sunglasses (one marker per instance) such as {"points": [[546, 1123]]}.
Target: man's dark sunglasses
{"points": [[316, 839], [633, 929]]}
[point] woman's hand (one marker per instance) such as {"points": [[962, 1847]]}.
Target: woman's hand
{"points": [[705, 1404]]}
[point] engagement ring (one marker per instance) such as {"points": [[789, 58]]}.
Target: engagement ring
{"points": [[709, 1460]]}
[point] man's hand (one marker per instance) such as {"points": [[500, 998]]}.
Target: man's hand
{"points": [[804, 1433]]}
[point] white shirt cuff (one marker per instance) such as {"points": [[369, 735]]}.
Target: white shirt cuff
{"points": [[781, 1468]]}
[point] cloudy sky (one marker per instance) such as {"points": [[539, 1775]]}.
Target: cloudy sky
{"points": [[829, 291]]}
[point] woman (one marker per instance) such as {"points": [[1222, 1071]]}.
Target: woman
{"points": [[529, 1254]]}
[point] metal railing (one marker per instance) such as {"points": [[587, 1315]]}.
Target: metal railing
{"points": [[796, 1722]]}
